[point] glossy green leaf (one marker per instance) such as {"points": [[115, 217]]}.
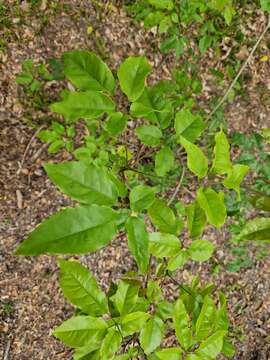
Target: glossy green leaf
{"points": [[188, 125], [164, 161], [138, 242], [81, 289], [212, 346], [149, 134], [132, 75], [133, 322], [110, 344], [196, 219], [162, 244], [201, 250], [116, 123], [125, 297], [178, 261], [80, 331], [163, 217], [182, 325], [83, 105], [152, 106], [206, 319], [235, 177], [85, 183], [151, 334], [196, 160], [213, 205], [169, 354], [72, 231], [257, 229], [87, 71], [142, 197], [164, 309], [222, 161], [87, 352]]}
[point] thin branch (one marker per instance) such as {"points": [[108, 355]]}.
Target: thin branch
{"points": [[7, 350], [221, 102], [28, 147], [178, 187], [118, 328], [182, 287]]}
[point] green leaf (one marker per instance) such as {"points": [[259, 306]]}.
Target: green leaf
{"points": [[222, 320], [132, 75], [178, 261], [151, 334], [149, 134], [162, 244], [55, 146], [265, 5], [212, 346], [228, 348], [201, 250], [83, 105], [153, 106], [87, 352], [164, 161], [260, 202], [235, 177], [81, 289], [213, 205], [196, 219], [80, 331], [153, 292], [110, 344], [206, 319], [222, 161], [164, 309], [205, 42], [24, 79], [169, 354], [142, 197], [188, 125], [196, 160], [72, 231], [182, 325], [162, 4], [138, 242], [116, 123], [257, 229], [163, 217], [125, 297], [85, 183], [133, 322], [87, 71]]}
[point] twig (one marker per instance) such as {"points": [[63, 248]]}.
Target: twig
{"points": [[182, 287], [118, 328], [221, 102], [178, 187], [28, 147], [7, 350]]}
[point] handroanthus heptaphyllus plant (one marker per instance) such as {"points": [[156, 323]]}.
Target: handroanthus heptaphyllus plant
{"points": [[132, 184]]}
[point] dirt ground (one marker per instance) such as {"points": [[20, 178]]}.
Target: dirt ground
{"points": [[31, 303]]}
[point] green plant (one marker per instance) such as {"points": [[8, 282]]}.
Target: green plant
{"points": [[252, 150], [122, 186], [174, 18], [33, 78]]}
